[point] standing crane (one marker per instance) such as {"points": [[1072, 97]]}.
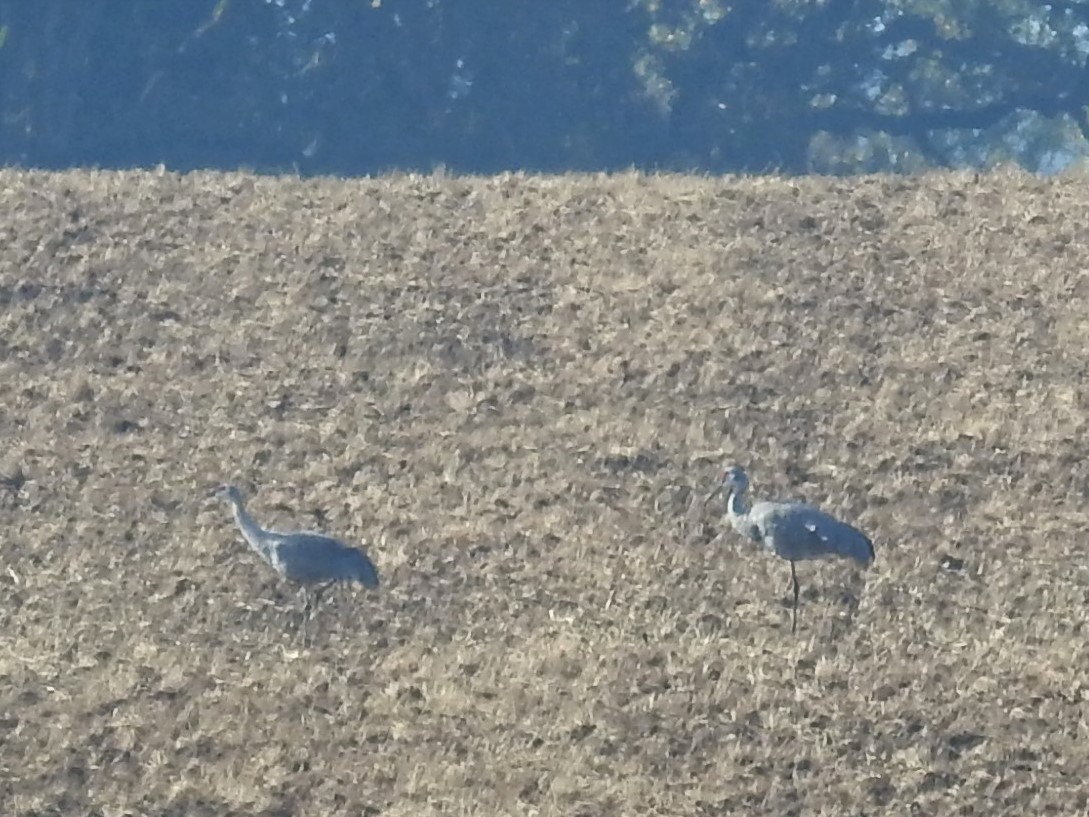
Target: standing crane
{"points": [[791, 530], [305, 558]]}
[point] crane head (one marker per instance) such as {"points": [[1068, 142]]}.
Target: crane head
{"points": [[228, 492], [733, 480]]}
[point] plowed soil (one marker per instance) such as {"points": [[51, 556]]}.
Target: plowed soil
{"points": [[510, 391]]}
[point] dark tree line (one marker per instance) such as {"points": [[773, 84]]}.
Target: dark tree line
{"points": [[332, 86]]}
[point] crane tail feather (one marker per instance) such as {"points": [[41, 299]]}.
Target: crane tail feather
{"points": [[865, 552], [364, 571]]}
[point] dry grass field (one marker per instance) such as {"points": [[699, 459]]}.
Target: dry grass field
{"points": [[510, 390]]}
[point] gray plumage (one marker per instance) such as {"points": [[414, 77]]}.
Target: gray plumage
{"points": [[792, 530], [306, 558]]}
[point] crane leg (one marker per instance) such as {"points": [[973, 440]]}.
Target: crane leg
{"points": [[794, 579], [321, 588], [306, 611]]}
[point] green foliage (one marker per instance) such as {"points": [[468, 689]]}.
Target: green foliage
{"points": [[831, 86]]}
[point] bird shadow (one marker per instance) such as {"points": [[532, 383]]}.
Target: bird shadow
{"points": [[849, 599], [832, 605], [305, 620]]}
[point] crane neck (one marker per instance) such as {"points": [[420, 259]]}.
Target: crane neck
{"points": [[253, 533], [737, 510]]}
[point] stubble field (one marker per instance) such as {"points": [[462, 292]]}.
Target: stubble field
{"points": [[510, 390]]}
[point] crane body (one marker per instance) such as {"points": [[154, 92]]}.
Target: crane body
{"points": [[305, 558], [792, 530]]}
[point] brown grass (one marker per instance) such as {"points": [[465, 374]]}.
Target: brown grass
{"points": [[510, 389]]}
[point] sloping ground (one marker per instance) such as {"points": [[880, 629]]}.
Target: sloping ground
{"points": [[510, 389]]}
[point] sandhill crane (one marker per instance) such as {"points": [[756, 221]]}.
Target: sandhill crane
{"points": [[305, 558], [791, 530]]}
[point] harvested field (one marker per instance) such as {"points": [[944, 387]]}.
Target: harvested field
{"points": [[510, 390]]}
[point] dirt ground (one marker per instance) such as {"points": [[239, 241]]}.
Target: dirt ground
{"points": [[510, 390]]}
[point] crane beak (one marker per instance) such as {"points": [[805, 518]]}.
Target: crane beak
{"points": [[713, 494], [695, 510]]}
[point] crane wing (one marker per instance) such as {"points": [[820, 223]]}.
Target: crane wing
{"points": [[314, 557], [839, 539]]}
